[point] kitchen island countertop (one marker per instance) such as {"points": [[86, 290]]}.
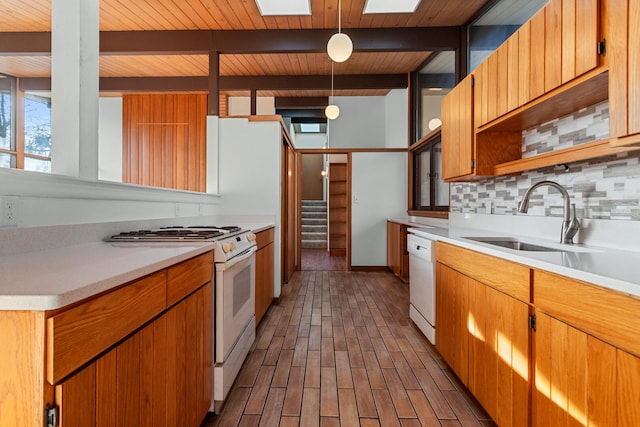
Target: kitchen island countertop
{"points": [[51, 279]]}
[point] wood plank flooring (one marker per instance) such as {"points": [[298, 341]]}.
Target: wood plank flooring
{"points": [[319, 260], [339, 350]]}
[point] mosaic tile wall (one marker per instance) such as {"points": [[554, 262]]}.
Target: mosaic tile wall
{"points": [[604, 188]]}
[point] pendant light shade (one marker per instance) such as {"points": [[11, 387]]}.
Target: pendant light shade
{"points": [[332, 111], [339, 46]]}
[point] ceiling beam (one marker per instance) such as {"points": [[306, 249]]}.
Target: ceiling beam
{"points": [[229, 83], [31, 44], [293, 102], [417, 39]]}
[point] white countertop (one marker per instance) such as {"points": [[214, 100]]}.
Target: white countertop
{"points": [[610, 268], [51, 279]]}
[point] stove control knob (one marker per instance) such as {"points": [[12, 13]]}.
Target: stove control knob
{"points": [[226, 247], [251, 237], [232, 245]]}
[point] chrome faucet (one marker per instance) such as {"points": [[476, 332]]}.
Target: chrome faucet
{"points": [[570, 225]]}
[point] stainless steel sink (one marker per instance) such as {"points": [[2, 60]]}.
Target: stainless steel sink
{"points": [[510, 243]]}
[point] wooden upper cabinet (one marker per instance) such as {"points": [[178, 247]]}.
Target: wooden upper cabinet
{"points": [[164, 140], [524, 61], [537, 55], [623, 50], [458, 131], [553, 44]]}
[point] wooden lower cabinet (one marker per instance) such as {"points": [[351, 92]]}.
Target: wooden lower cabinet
{"points": [[264, 272], [482, 334], [452, 311], [499, 354], [579, 365], [159, 376], [151, 364], [397, 255]]}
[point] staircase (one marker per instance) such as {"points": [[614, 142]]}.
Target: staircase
{"points": [[314, 224]]}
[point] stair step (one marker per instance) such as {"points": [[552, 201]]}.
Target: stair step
{"points": [[314, 236], [314, 209], [314, 221], [314, 215], [314, 228], [314, 202]]}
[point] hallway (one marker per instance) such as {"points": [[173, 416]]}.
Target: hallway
{"points": [[339, 350]]}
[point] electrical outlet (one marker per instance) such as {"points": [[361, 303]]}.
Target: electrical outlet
{"points": [[9, 210]]}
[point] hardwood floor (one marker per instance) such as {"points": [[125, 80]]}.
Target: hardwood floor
{"points": [[319, 260], [339, 350]]}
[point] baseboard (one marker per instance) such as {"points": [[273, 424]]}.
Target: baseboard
{"points": [[337, 252], [381, 268]]}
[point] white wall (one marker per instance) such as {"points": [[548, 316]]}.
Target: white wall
{"points": [[361, 123], [241, 105], [249, 174], [110, 139], [396, 106], [379, 191]]}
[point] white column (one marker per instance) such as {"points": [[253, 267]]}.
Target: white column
{"points": [[75, 51]]}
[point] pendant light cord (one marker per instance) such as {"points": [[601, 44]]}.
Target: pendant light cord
{"points": [[339, 16], [331, 80]]}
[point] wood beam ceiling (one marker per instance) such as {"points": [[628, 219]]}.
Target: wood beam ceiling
{"points": [[244, 41], [235, 83]]}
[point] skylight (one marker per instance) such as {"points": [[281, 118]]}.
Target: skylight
{"points": [[284, 7], [309, 127], [388, 6]]}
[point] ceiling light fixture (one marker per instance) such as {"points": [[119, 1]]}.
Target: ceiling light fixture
{"points": [[332, 111], [340, 45], [284, 7], [386, 6]]}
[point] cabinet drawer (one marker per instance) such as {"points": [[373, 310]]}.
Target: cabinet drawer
{"points": [[78, 335], [506, 276], [609, 315], [188, 276], [263, 238]]}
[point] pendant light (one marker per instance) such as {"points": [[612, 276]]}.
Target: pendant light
{"points": [[332, 111], [340, 45]]}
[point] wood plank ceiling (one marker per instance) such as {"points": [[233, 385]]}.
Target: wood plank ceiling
{"points": [[149, 15]]}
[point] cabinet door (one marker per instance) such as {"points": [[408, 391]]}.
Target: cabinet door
{"points": [[452, 312], [458, 149], [76, 398], [537, 55], [553, 44], [574, 377], [623, 49], [628, 389], [189, 355], [393, 249], [499, 354], [264, 280]]}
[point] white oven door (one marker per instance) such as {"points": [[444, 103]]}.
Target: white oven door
{"points": [[235, 300]]}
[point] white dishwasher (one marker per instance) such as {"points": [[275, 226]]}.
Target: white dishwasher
{"points": [[422, 287]]}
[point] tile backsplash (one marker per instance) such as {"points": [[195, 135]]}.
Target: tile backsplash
{"points": [[603, 188]]}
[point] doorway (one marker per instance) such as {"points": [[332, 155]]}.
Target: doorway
{"points": [[324, 211]]}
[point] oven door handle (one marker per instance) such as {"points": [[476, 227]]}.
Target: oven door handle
{"points": [[238, 258]]}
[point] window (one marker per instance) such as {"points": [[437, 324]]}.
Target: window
{"points": [[25, 128], [37, 132], [430, 192], [7, 156]]}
